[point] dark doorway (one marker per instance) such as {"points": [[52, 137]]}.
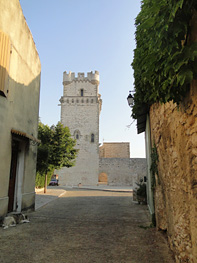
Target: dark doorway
{"points": [[13, 169]]}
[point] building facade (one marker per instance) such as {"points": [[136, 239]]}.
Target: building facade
{"points": [[19, 105], [80, 109]]}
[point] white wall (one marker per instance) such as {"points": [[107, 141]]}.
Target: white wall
{"points": [[81, 113]]}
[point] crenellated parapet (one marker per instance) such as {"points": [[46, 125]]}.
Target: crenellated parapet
{"points": [[92, 77]]}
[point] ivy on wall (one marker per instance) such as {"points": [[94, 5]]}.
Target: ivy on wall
{"points": [[164, 59]]}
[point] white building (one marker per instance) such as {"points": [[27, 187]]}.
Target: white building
{"points": [[80, 109]]}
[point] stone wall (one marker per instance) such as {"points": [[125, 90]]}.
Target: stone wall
{"points": [[123, 171], [114, 150], [174, 131]]}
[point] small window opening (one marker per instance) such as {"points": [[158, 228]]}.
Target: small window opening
{"points": [[81, 92], [77, 134], [92, 137]]}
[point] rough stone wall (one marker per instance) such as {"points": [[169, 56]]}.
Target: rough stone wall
{"points": [[123, 171], [114, 150], [174, 131]]}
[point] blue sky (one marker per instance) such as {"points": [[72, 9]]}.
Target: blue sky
{"points": [[84, 36]]}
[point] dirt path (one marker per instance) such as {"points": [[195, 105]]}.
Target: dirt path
{"points": [[85, 226]]}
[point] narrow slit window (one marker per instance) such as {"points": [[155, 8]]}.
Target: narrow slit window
{"points": [[82, 92], [92, 137], [77, 134]]}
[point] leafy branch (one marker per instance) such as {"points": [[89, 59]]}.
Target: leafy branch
{"points": [[164, 61]]}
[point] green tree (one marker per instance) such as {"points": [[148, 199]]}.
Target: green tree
{"points": [[55, 151]]}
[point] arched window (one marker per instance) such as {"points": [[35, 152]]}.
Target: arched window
{"points": [[77, 135], [81, 92], [92, 137]]}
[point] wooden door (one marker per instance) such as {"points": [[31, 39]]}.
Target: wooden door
{"points": [[13, 169]]}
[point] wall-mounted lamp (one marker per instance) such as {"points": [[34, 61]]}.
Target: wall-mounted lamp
{"points": [[130, 99]]}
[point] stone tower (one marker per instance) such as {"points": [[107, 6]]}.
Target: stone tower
{"points": [[80, 109]]}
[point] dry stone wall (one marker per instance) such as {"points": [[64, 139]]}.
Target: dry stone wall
{"points": [[174, 131]]}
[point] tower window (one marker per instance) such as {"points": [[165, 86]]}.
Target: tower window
{"points": [[77, 134], [81, 92], [92, 100], [92, 137]]}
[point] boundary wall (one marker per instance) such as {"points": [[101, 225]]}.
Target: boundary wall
{"points": [[123, 171]]}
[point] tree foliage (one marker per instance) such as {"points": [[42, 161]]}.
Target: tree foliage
{"points": [[164, 59], [55, 151]]}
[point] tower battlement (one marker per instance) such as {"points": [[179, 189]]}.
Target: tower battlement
{"points": [[92, 77]]}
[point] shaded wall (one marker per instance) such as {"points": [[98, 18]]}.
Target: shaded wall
{"points": [[19, 108], [174, 131]]}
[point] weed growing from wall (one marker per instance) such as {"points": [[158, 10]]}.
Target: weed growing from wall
{"points": [[154, 166]]}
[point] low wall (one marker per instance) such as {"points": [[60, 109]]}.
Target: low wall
{"points": [[123, 171]]}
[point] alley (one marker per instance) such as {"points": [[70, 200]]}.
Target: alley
{"points": [[86, 226]]}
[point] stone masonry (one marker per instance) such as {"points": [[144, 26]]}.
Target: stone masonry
{"points": [[123, 171], [174, 131], [80, 109], [114, 150]]}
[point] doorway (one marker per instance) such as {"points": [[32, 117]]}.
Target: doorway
{"points": [[103, 178], [13, 171], [16, 174]]}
